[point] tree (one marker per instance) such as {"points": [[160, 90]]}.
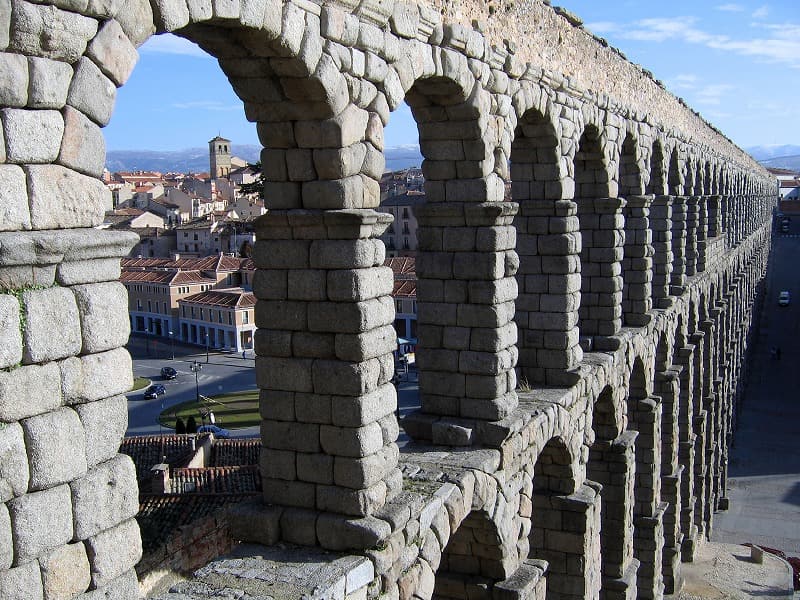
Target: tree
{"points": [[180, 426], [257, 186], [191, 425]]}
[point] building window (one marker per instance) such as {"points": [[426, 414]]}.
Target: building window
{"points": [[201, 314], [405, 213], [245, 317], [149, 307], [405, 243], [138, 304], [230, 318], [399, 306], [193, 312], [211, 315]]}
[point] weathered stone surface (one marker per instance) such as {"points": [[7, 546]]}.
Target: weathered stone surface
{"points": [[97, 376], [6, 543], [22, 583], [10, 336], [56, 446], [103, 311], [32, 136], [83, 147], [40, 522], [88, 271], [14, 212], [65, 571], [49, 82], [104, 423], [13, 80], [28, 391], [107, 495], [61, 198], [114, 552], [14, 472], [124, 587], [113, 52], [91, 92], [52, 325], [49, 32]]}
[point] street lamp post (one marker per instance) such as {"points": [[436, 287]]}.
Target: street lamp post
{"points": [[196, 367], [172, 344], [206, 346]]}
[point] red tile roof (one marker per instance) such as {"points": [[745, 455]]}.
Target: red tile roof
{"points": [[405, 276], [216, 262], [164, 277], [226, 453], [150, 450], [232, 297], [216, 480]]}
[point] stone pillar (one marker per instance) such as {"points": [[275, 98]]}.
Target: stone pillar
{"points": [[661, 226], [569, 540], [700, 429], [645, 417], [602, 242], [685, 357], [467, 337], [549, 279], [678, 278], [612, 464], [692, 234], [667, 385], [637, 262], [324, 365]]}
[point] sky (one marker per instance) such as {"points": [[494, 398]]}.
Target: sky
{"points": [[737, 63]]}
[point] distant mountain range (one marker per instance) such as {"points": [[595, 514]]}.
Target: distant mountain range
{"points": [[785, 156], [195, 160]]}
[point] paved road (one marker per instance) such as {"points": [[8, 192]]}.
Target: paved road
{"points": [[764, 469]]}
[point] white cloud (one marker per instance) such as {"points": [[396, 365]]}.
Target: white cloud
{"points": [[683, 81], [712, 94], [172, 44], [781, 45], [761, 13], [730, 7], [214, 105]]}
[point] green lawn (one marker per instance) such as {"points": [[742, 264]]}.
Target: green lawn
{"points": [[231, 411], [139, 383]]}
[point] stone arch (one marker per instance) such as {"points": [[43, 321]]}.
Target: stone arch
{"points": [[644, 417], [657, 185], [675, 175], [473, 560], [630, 172], [590, 166], [565, 524], [549, 273]]}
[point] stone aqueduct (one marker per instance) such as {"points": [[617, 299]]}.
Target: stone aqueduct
{"points": [[581, 348]]}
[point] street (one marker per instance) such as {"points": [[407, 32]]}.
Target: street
{"points": [[764, 467]]}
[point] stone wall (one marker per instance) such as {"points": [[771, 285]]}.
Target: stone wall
{"points": [[602, 316]]}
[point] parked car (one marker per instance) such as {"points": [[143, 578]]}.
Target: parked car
{"points": [[154, 391], [217, 431], [168, 373], [783, 298]]}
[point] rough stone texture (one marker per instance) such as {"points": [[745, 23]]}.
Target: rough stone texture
{"points": [[32, 136], [91, 92], [124, 587], [106, 496], [49, 82], [14, 212], [113, 52], [40, 522], [62, 199], [83, 147], [52, 325], [97, 376], [49, 32], [114, 552], [65, 571], [28, 391], [14, 473], [13, 80], [22, 583], [104, 423], [10, 336], [6, 543], [102, 308], [56, 446]]}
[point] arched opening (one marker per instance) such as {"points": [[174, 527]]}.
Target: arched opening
{"points": [[630, 174], [612, 464], [600, 311], [549, 272], [657, 182], [644, 417], [565, 525]]}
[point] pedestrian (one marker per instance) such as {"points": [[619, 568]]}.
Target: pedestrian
{"points": [[244, 354]]}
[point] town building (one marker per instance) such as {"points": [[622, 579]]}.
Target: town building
{"points": [[404, 295], [221, 319], [400, 238]]}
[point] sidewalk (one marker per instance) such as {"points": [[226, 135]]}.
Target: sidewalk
{"points": [[148, 347]]}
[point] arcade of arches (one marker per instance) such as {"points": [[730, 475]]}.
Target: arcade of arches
{"points": [[581, 344]]}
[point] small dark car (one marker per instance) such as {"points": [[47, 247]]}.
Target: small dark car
{"points": [[154, 391], [168, 373]]}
